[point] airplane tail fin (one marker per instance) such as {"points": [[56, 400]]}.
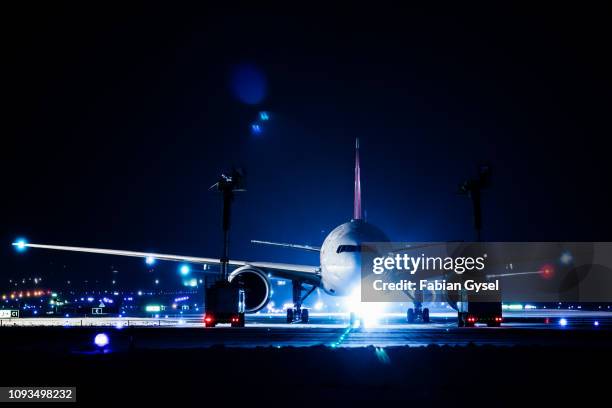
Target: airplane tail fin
{"points": [[357, 213]]}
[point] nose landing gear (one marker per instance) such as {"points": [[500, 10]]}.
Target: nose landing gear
{"points": [[417, 314], [297, 315]]}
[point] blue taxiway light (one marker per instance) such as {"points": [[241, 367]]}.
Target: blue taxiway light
{"points": [[595, 323], [256, 129], [184, 269], [150, 260], [101, 340], [263, 115], [563, 322], [20, 245]]}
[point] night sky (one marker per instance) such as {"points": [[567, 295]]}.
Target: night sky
{"points": [[116, 122]]}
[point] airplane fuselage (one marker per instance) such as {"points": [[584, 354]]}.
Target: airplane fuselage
{"points": [[341, 257]]}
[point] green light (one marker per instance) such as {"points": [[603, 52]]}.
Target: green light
{"points": [[382, 355], [153, 308], [54, 295]]}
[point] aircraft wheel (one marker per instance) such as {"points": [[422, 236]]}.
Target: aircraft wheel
{"points": [[410, 315], [304, 316], [426, 315], [290, 315]]}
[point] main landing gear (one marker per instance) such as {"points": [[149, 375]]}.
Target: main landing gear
{"points": [[417, 314], [297, 314]]}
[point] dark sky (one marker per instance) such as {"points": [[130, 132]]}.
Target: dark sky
{"points": [[116, 122]]}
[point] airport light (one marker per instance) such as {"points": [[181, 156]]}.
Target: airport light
{"points": [[596, 323], [369, 314], [256, 129], [149, 260], [184, 269], [566, 258], [263, 115], [152, 308], [101, 340], [20, 244], [547, 271], [563, 322]]}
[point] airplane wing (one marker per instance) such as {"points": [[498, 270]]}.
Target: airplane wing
{"points": [[285, 245], [307, 273]]}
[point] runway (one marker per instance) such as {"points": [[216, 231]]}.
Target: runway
{"points": [[325, 360], [540, 328]]}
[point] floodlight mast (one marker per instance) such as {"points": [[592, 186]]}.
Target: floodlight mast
{"points": [[227, 186]]}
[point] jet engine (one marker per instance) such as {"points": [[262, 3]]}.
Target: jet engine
{"points": [[256, 285]]}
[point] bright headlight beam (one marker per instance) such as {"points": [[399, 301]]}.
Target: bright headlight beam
{"points": [[369, 314]]}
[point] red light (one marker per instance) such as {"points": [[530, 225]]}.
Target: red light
{"points": [[547, 271], [208, 318]]}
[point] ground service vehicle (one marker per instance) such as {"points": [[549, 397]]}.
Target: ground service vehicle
{"points": [[489, 313], [224, 303]]}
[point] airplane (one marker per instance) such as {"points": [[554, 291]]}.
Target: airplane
{"points": [[338, 273]]}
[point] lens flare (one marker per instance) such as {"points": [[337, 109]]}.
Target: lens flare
{"points": [[369, 313]]}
